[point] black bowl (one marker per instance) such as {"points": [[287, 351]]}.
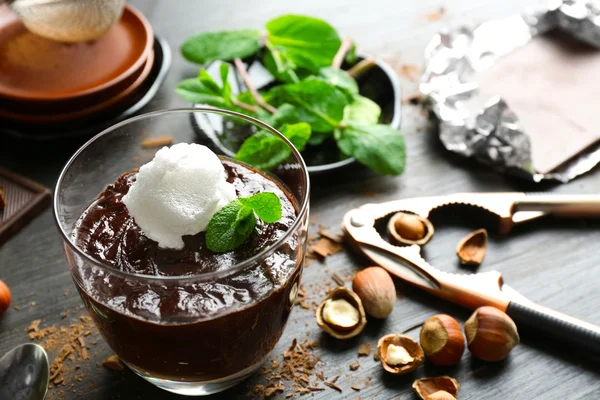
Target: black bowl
{"points": [[379, 84]]}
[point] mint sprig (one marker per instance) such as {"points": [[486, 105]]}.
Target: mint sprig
{"points": [[221, 45], [311, 101], [233, 224]]}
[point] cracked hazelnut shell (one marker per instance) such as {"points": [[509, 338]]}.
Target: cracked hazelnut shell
{"points": [[441, 395], [427, 387], [471, 249], [408, 229], [340, 332], [442, 340], [412, 347]]}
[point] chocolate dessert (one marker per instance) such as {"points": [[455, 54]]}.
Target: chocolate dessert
{"points": [[188, 329]]}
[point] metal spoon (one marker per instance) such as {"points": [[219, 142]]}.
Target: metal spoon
{"points": [[24, 373]]}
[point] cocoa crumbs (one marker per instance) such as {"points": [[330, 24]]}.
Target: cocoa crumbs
{"points": [[325, 247], [333, 386], [409, 71], [413, 100], [330, 236], [354, 366], [297, 368], [113, 362], [337, 279], [364, 349], [157, 142], [67, 348], [355, 387]]}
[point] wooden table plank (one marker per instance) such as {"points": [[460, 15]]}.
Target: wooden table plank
{"points": [[554, 263]]}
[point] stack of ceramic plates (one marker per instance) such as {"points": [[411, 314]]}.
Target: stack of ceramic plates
{"points": [[49, 88]]}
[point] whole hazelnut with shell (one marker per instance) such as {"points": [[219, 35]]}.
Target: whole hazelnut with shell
{"points": [[491, 334], [376, 289], [4, 297], [442, 340]]}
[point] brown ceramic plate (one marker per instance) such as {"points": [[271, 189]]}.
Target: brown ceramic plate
{"points": [[70, 115], [92, 124], [35, 69]]}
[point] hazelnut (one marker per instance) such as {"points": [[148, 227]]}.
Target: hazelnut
{"points": [[441, 395], [376, 289], [442, 340], [341, 314], [491, 334], [399, 354], [406, 228], [426, 387], [471, 249], [4, 297]]}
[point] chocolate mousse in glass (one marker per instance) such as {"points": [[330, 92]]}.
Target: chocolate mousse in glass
{"points": [[189, 320]]}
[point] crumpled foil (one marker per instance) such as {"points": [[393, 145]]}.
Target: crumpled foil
{"points": [[487, 129]]}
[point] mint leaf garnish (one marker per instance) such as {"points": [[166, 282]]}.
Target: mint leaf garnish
{"points": [[339, 78], [230, 227], [221, 45], [267, 206], [317, 102], [195, 92], [233, 224], [308, 42], [380, 147], [298, 134], [265, 151], [363, 111], [279, 64]]}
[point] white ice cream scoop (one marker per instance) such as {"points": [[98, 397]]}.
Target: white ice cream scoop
{"points": [[177, 193], [68, 20]]}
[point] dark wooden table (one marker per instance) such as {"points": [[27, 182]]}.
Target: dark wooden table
{"points": [[554, 263]]}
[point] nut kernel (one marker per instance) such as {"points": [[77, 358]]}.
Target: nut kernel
{"points": [[340, 313], [408, 229], [412, 348], [337, 331], [397, 355]]}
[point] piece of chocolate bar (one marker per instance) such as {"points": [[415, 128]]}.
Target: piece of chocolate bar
{"points": [[21, 200]]}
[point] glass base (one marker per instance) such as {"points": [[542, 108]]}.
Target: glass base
{"points": [[200, 388]]}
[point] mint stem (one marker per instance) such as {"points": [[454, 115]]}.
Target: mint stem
{"points": [[239, 65], [361, 67], [338, 59], [245, 106]]}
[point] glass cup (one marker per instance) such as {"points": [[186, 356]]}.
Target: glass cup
{"points": [[203, 332]]}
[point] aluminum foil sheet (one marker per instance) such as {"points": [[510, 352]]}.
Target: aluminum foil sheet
{"points": [[487, 129]]}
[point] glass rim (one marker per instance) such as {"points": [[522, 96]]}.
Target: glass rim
{"points": [[203, 276]]}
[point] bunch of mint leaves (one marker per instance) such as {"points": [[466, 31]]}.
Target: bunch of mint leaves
{"points": [[233, 224], [312, 101]]}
